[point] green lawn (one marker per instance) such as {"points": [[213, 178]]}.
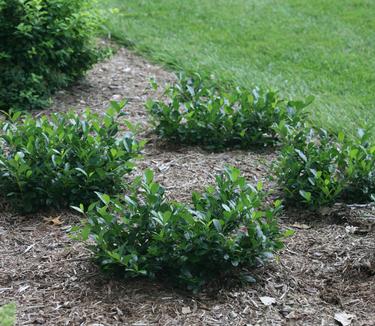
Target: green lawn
{"points": [[8, 314], [324, 48]]}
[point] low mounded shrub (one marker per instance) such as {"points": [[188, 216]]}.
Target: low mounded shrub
{"points": [[226, 228], [316, 168], [360, 167], [309, 168], [44, 45], [214, 119], [61, 160]]}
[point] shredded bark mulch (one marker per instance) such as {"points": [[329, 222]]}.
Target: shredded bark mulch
{"points": [[324, 276]]}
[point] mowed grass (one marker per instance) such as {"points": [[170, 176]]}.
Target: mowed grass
{"points": [[299, 47]]}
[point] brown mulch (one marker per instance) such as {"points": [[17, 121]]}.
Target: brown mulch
{"points": [[326, 268]]}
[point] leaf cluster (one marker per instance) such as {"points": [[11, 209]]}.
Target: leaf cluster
{"points": [[216, 119], [62, 159], [316, 168], [225, 228], [44, 45]]}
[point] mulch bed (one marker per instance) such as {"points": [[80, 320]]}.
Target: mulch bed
{"points": [[326, 268]]}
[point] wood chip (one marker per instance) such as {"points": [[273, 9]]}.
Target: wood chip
{"points": [[301, 226], [267, 301], [343, 318], [186, 310]]}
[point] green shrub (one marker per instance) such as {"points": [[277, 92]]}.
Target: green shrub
{"points": [[316, 168], [8, 314], [225, 228], [62, 159], [44, 45], [309, 166], [360, 167], [215, 119]]}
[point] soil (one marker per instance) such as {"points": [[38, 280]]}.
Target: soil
{"points": [[325, 271]]}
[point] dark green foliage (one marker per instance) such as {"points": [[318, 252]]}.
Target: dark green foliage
{"points": [[143, 234], [61, 160], [310, 167], [360, 167], [316, 168], [44, 45], [214, 119]]}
